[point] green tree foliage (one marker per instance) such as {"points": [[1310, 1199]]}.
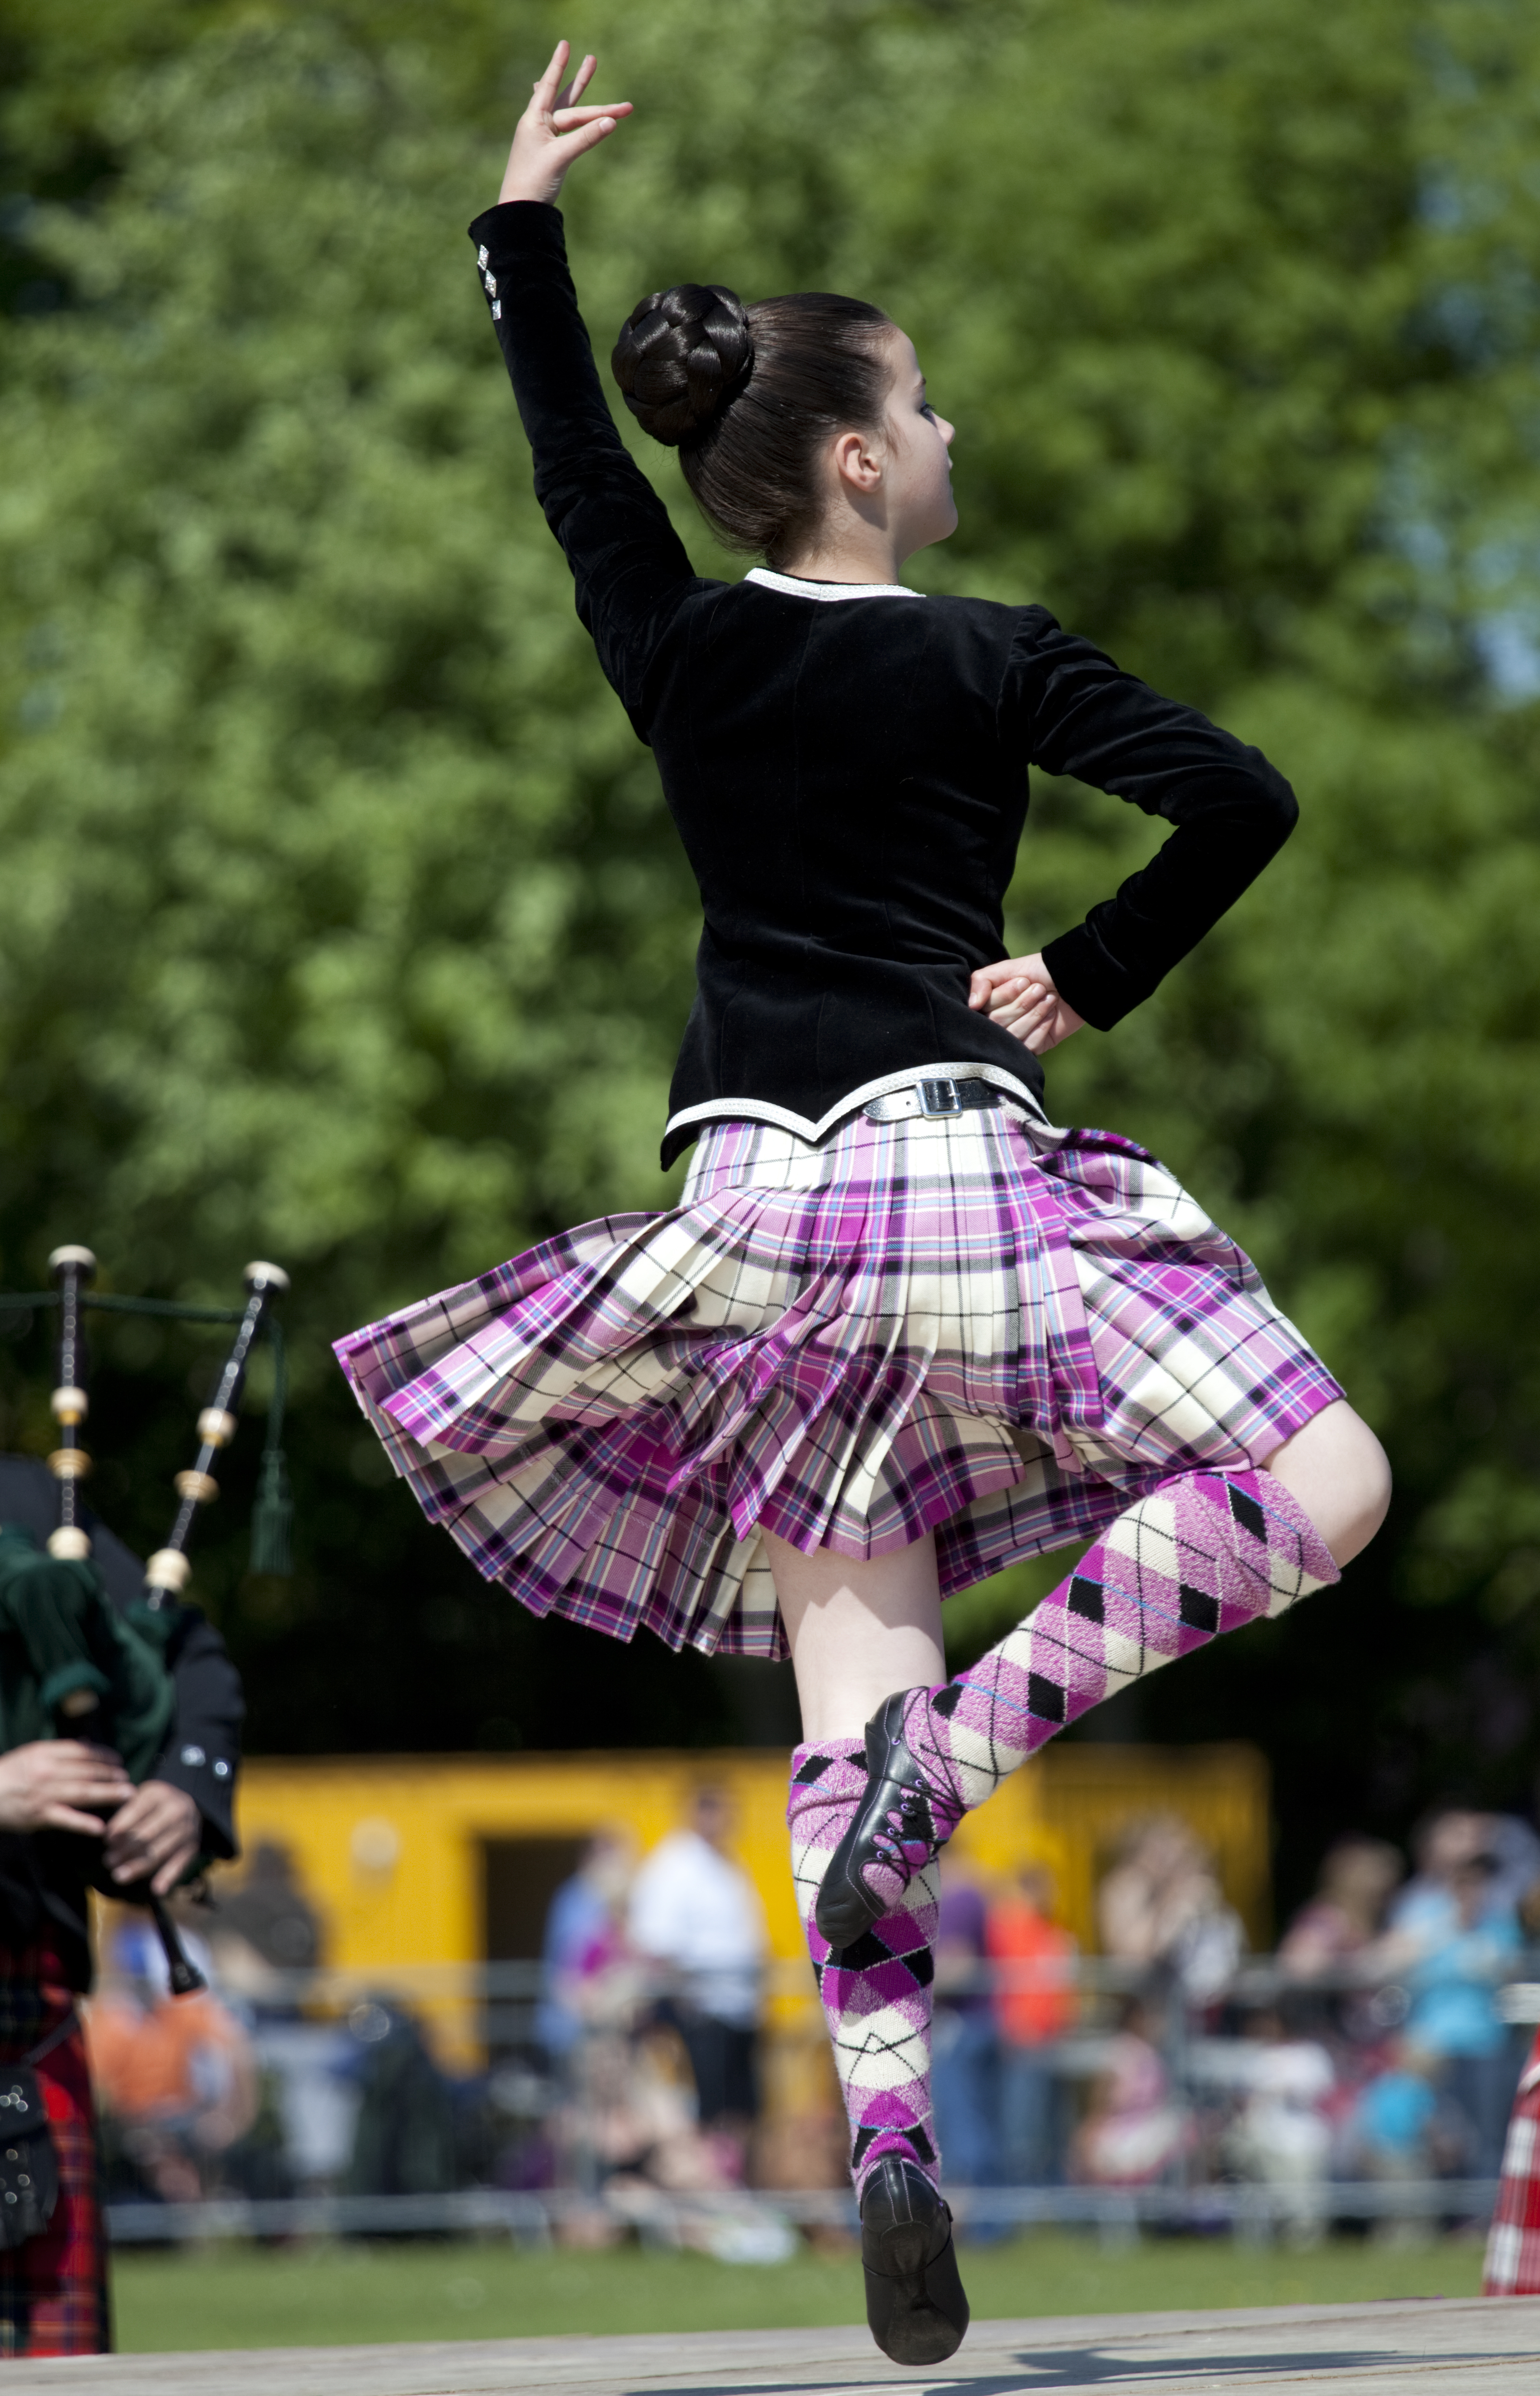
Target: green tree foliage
{"points": [[342, 917]]}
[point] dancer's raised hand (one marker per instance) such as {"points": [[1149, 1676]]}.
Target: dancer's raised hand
{"points": [[553, 131], [1018, 994]]}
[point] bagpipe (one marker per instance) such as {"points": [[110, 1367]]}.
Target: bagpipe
{"points": [[72, 1664]]}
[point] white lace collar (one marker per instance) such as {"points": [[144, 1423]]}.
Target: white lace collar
{"points": [[799, 589]]}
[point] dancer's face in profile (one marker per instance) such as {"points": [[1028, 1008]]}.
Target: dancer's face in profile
{"points": [[918, 470], [892, 486]]}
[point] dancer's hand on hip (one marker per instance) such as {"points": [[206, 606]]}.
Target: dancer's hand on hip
{"points": [[553, 131], [1018, 994]]}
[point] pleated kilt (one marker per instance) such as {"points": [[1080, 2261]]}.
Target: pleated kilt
{"points": [[53, 2288], [975, 1324]]}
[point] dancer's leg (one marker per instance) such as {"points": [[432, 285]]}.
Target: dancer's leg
{"points": [[876, 1993], [1206, 1553], [858, 1632], [1203, 1552]]}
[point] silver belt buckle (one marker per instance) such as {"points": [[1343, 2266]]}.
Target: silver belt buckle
{"points": [[941, 1097]]}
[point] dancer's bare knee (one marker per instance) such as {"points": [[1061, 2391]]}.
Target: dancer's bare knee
{"points": [[1341, 1475]]}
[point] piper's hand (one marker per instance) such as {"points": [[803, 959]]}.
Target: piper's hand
{"points": [[1018, 994], [156, 1831], [47, 1785], [553, 131]]}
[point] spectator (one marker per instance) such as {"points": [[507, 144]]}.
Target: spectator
{"points": [[1398, 2131], [1283, 2136], [405, 2135], [1161, 1905], [584, 1939], [1443, 1840], [176, 2076], [1512, 1844], [268, 1910], [262, 1930], [1452, 1953], [1035, 2004], [965, 2050], [1358, 1877], [697, 1914], [1132, 2130], [631, 2117]]}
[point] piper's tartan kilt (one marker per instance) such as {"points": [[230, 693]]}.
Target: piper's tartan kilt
{"points": [[53, 2289]]}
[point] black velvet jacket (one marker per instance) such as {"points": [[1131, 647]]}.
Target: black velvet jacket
{"points": [[41, 1885], [850, 780]]}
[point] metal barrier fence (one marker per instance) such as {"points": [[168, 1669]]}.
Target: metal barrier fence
{"points": [[1249, 2210], [493, 2007], [1256, 1980]]}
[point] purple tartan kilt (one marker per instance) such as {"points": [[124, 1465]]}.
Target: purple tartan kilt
{"points": [[973, 1326]]}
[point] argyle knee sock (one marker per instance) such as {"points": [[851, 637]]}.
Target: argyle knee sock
{"points": [[876, 1994], [1203, 1553]]}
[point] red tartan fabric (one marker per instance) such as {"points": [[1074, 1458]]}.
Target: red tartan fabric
{"points": [[1513, 2246], [53, 2289]]}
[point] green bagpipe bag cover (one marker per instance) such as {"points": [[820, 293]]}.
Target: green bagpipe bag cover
{"points": [[61, 1634]]}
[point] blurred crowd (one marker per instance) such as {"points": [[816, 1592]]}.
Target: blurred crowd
{"points": [[633, 2066], [1376, 2045]]}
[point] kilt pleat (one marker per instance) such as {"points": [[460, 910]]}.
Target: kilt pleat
{"points": [[973, 1326]]}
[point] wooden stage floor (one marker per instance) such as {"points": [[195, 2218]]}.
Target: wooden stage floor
{"points": [[1470, 2346]]}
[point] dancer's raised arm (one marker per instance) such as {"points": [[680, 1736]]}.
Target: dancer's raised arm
{"points": [[628, 561], [554, 132]]}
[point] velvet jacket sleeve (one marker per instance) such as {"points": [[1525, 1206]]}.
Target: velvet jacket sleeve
{"points": [[1231, 811], [629, 564]]}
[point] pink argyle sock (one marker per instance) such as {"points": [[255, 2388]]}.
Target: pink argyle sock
{"points": [[876, 1994], [1203, 1553]]}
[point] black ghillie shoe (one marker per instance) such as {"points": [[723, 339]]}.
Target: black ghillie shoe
{"points": [[894, 1830], [916, 2308]]}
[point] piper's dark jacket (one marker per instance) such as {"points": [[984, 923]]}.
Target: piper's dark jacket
{"points": [[42, 1891], [850, 780]]}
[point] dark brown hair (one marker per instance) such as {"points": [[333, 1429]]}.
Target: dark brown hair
{"points": [[750, 395]]}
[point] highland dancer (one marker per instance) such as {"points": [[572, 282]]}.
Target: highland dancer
{"points": [[899, 1330]]}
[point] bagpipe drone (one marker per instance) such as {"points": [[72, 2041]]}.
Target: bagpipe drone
{"points": [[72, 1664]]}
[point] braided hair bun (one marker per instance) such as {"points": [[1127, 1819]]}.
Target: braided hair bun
{"points": [[681, 355], [750, 398]]}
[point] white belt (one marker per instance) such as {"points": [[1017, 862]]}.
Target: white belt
{"points": [[945, 1096]]}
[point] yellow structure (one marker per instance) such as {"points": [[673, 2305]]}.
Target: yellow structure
{"points": [[399, 1853]]}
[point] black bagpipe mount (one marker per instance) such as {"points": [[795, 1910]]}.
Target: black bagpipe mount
{"points": [[72, 1269], [168, 1570]]}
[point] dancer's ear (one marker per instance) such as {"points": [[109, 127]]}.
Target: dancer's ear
{"points": [[858, 459]]}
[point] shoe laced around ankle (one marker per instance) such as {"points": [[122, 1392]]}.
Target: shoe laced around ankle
{"points": [[894, 1833]]}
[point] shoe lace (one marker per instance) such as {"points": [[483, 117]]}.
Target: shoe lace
{"points": [[899, 1824], [936, 1763]]}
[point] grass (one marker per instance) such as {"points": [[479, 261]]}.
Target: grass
{"points": [[326, 2295]]}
